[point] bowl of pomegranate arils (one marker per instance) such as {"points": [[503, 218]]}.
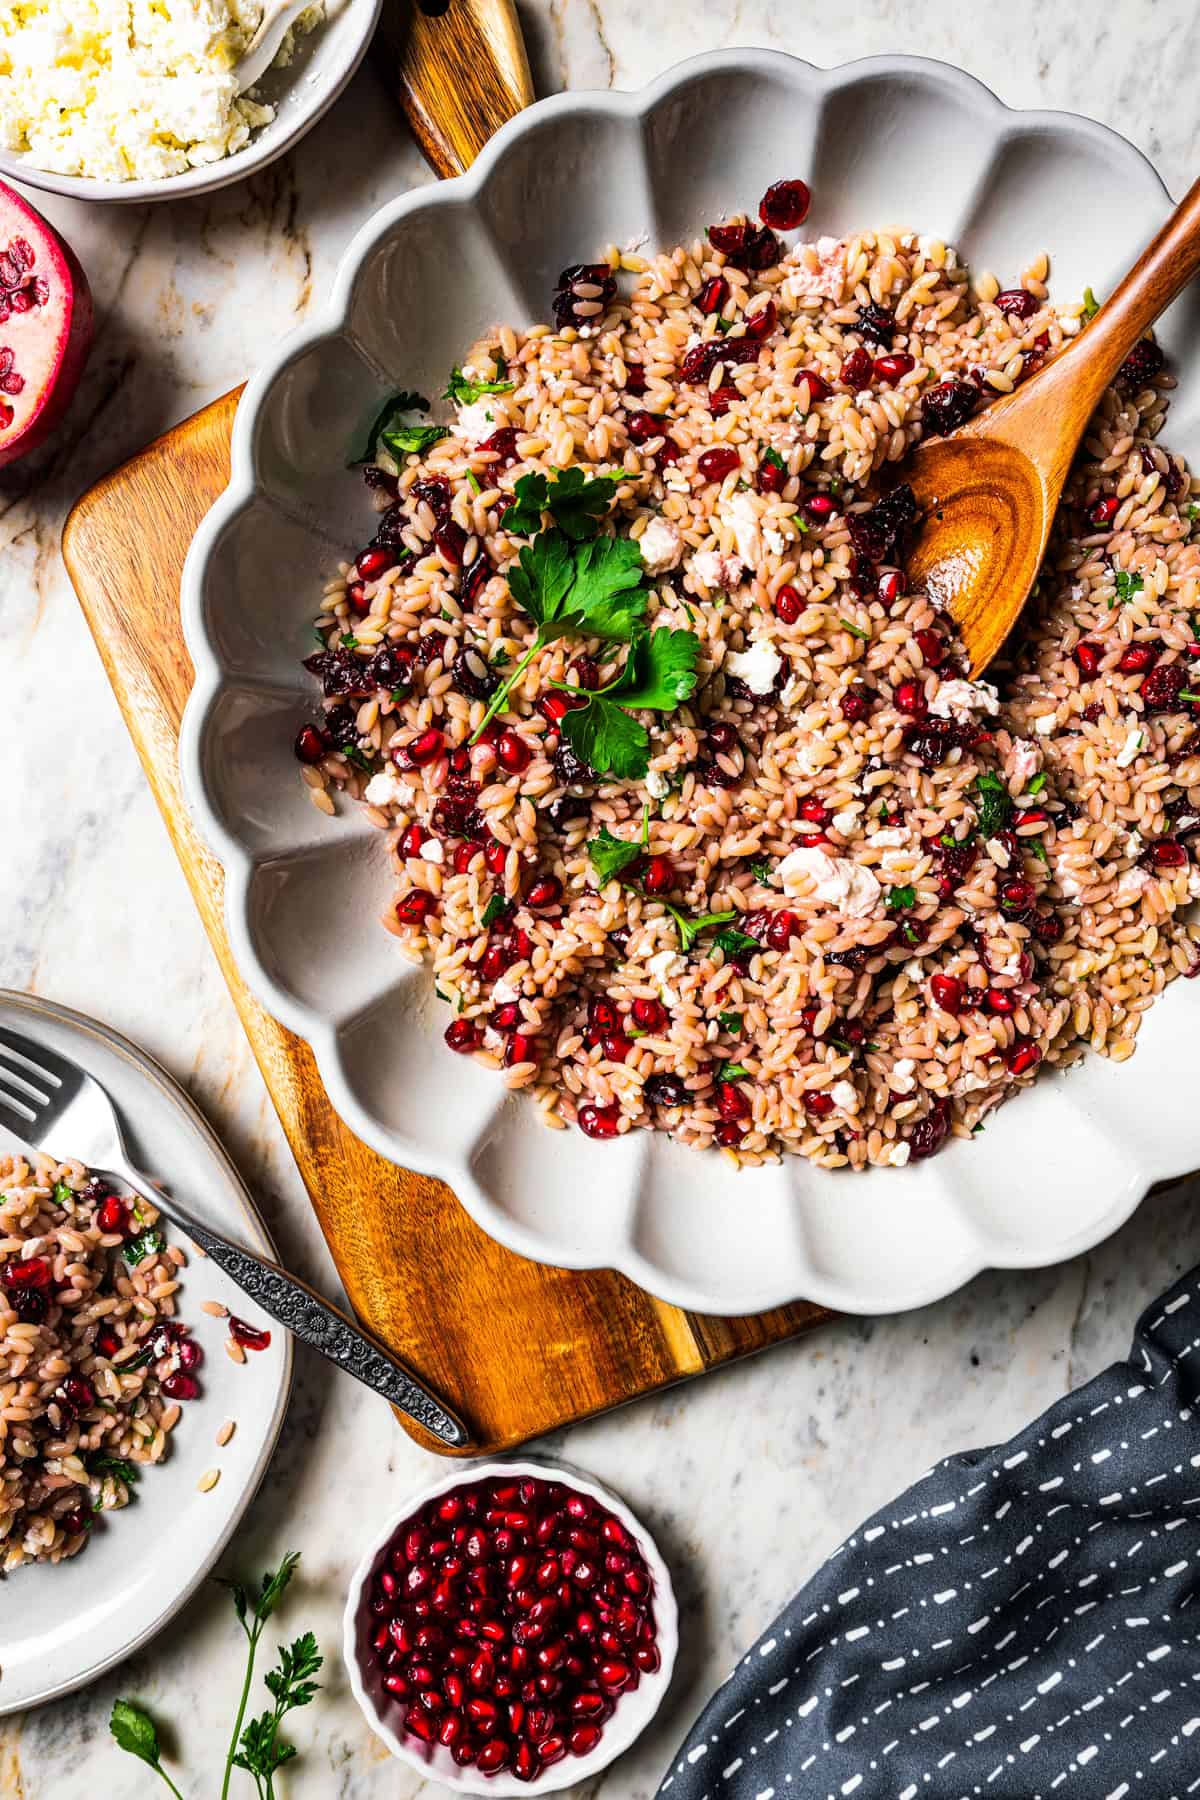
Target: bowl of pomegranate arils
{"points": [[512, 1626]]}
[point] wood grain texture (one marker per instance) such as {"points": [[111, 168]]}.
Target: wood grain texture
{"points": [[517, 1349], [458, 76], [989, 493]]}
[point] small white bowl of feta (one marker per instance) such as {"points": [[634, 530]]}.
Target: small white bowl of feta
{"points": [[142, 103]]}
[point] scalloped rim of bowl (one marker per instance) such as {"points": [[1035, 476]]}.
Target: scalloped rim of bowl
{"points": [[650, 1692], [291, 122], [838, 1289]]}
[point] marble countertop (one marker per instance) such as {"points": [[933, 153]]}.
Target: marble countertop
{"points": [[749, 1477]]}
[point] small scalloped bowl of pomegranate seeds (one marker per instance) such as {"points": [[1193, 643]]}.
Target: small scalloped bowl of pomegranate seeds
{"points": [[512, 1627]]}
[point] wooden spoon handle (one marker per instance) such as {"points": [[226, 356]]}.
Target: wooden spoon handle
{"points": [[458, 70]]}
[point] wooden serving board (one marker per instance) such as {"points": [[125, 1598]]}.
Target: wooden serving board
{"points": [[516, 1348]]}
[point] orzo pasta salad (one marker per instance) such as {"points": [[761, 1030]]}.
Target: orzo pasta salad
{"points": [[94, 1364], [692, 809]]}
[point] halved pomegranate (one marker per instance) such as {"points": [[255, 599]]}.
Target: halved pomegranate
{"points": [[45, 326]]}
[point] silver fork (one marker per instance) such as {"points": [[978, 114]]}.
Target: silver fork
{"points": [[56, 1107]]}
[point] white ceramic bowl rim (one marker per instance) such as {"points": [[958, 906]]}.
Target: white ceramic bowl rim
{"points": [[832, 1280], [633, 1712]]}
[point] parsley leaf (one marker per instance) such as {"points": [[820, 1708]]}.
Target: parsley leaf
{"points": [[732, 1071], [733, 943], [1038, 849], [609, 855], [412, 440], [463, 389], [1192, 511], [134, 1731], [575, 502], [761, 869], [115, 1465], [730, 1021], [593, 588], [1091, 306], [291, 1684], [389, 417], [690, 929], [856, 630], [1037, 784], [348, 641], [495, 909], [992, 804], [64, 1193], [659, 673], [900, 897], [148, 1243], [475, 484], [1129, 586], [772, 458]]}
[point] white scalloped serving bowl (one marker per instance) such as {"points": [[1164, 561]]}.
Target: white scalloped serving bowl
{"points": [[890, 141]]}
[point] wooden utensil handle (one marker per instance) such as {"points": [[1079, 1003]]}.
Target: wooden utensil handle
{"points": [[459, 73], [1159, 275]]}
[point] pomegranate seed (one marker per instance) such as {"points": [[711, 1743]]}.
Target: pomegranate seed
{"points": [[1138, 658], [785, 205], [312, 745], [928, 1134], [894, 366], [714, 465], [512, 752], [356, 594], [713, 294], [818, 387], [1016, 896], [910, 699], [552, 1749], [647, 1658], [372, 563], [857, 370], [462, 1035], [854, 705], [413, 838], [1105, 510], [616, 1046], [819, 507], [669, 454], [1000, 1002], [181, 1386], [665, 1090], [521, 1048], [1087, 655], [584, 1739], [425, 748], [658, 876], [415, 908], [783, 928], [932, 646], [732, 1104], [113, 1215], [527, 1764], [107, 1342], [493, 1756], [1167, 853], [788, 604], [649, 1015], [547, 891], [642, 426], [599, 1121], [614, 1674], [814, 811], [769, 477], [947, 992], [1021, 1056], [495, 855], [891, 586]]}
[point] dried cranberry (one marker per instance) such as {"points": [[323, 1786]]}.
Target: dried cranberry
{"points": [[1017, 303], [1166, 853], [929, 1134], [1162, 687], [818, 387], [881, 534], [877, 324], [635, 379], [435, 494], [312, 745], [567, 810], [760, 324], [721, 399], [569, 767], [857, 370], [502, 444], [473, 675], [642, 426], [788, 604], [1143, 363], [785, 205], [948, 405], [702, 359], [475, 579], [745, 246], [583, 292]]}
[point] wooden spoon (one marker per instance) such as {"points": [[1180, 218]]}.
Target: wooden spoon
{"points": [[459, 70], [989, 493]]}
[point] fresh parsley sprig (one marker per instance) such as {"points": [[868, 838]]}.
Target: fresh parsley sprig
{"points": [[290, 1685], [993, 806], [576, 502], [464, 389], [659, 674], [689, 929], [389, 428], [135, 1731]]}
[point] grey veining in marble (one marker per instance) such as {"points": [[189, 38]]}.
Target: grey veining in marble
{"points": [[749, 1477]]}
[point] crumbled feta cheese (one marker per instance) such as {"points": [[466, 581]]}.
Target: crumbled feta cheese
{"points": [[914, 968], [504, 992], [1027, 759], [657, 785], [1131, 887], [717, 571], [846, 885], [661, 545], [665, 965], [757, 667], [386, 789], [970, 1083], [742, 518], [964, 700], [845, 1095], [846, 821], [476, 421], [432, 850], [902, 1079], [998, 853], [1045, 724], [888, 840], [1130, 748], [774, 540], [900, 1155], [815, 271], [1133, 844], [123, 92]]}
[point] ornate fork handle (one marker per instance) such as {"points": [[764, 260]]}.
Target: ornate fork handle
{"points": [[313, 1320]]}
